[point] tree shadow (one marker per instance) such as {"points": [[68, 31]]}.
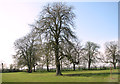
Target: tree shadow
{"points": [[90, 74]]}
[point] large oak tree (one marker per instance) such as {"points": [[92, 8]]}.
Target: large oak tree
{"points": [[54, 25]]}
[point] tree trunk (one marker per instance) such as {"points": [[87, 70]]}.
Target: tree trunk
{"points": [[47, 63], [73, 66], [29, 69], [58, 71], [2, 67], [114, 61], [89, 63], [114, 64], [47, 67], [34, 68]]}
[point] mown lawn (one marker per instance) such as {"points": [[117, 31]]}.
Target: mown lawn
{"points": [[68, 76]]}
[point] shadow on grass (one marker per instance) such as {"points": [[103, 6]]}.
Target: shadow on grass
{"points": [[90, 74]]}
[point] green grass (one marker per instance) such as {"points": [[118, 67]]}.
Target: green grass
{"points": [[69, 76]]}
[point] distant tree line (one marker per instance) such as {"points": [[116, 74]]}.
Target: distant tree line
{"points": [[52, 42]]}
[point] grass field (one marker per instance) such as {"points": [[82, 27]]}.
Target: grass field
{"points": [[68, 76]]}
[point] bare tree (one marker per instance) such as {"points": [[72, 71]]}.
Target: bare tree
{"points": [[77, 54], [111, 52], [26, 51], [72, 52], [54, 25], [47, 54], [90, 53]]}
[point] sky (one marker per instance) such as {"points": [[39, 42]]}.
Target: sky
{"points": [[95, 21]]}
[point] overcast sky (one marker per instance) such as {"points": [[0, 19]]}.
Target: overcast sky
{"points": [[95, 21]]}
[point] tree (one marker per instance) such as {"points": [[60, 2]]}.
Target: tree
{"points": [[72, 52], [111, 52], [11, 66], [54, 26], [47, 54], [90, 53], [2, 67], [26, 51], [65, 63], [77, 54]]}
